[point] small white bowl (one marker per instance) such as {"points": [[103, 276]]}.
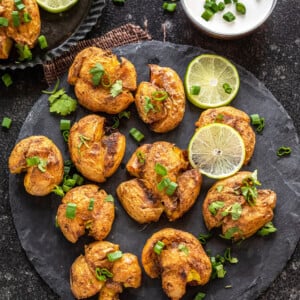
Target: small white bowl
{"points": [[257, 12]]}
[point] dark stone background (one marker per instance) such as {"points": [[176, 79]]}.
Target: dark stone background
{"points": [[272, 54]]}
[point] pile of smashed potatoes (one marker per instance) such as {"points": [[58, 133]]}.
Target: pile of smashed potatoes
{"points": [[177, 257]]}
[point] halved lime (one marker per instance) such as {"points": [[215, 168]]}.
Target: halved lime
{"points": [[216, 150], [215, 80], [56, 6]]}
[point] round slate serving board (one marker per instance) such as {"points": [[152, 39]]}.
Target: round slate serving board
{"points": [[260, 259]]}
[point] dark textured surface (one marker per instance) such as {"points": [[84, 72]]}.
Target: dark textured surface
{"points": [[271, 54]]}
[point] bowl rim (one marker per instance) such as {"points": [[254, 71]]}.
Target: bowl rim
{"points": [[221, 35]]}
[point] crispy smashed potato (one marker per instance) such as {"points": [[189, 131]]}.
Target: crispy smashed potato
{"points": [[141, 197], [93, 212], [100, 98], [42, 161], [86, 271], [161, 115], [95, 154], [181, 261], [238, 218], [235, 118], [26, 33]]}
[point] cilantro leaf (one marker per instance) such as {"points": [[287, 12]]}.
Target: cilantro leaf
{"points": [[64, 105], [97, 72]]}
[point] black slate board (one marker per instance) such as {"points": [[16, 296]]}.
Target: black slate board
{"points": [[62, 30], [260, 259]]}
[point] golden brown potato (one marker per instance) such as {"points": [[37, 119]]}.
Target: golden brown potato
{"points": [[99, 98], [25, 33], [141, 197], [235, 118], [48, 169], [95, 154], [165, 115], [5, 44], [250, 218], [181, 261], [124, 272], [97, 218]]}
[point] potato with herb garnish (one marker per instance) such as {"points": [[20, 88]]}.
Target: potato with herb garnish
{"points": [[236, 205], [42, 161]]}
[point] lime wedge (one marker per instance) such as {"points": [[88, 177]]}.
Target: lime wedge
{"points": [[211, 81], [216, 150], [56, 6]]}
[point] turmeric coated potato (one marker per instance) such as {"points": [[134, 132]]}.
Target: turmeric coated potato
{"points": [[174, 192], [95, 154], [225, 206], [93, 213], [180, 261], [99, 96], [161, 102], [42, 161], [95, 273], [235, 118]]}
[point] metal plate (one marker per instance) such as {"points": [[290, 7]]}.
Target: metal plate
{"points": [[260, 259], [62, 31]]}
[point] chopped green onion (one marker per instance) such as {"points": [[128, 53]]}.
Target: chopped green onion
{"points": [[171, 188], [3, 22], [36, 161], [141, 157], [255, 119], [228, 235], [184, 249], [6, 78], [56, 222], [71, 210], [102, 274], [227, 88], [65, 124], [6, 122], [118, 1], [97, 71], [15, 18], [24, 52], [19, 4], [124, 114], [221, 6], [248, 188], [109, 198], [66, 135], [58, 191], [207, 14], [116, 123], [164, 183], [160, 169], [227, 256], [267, 229], [170, 7], [219, 118], [283, 151], [54, 89], [113, 256], [229, 17], [42, 42], [220, 271], [240, 8], [204, 237], [215, 206], [200, 296], [160, 95], [91, 204], [227, 1], [195, 89], [136, 134], [79, 179], [148, 105], [158, 247], [235, 210], [116, 88], [219, 188]]}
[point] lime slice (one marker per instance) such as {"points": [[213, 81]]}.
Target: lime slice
{"points": [[216, 150], [56, 6], [210, 72]]}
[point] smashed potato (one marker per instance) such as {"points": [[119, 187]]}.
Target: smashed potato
{"points": [[101, 96], [225, 206], [142, 197], [93, 212], [42, 161], [161, 102], [95, 154], [96, 272], [179, 260]]}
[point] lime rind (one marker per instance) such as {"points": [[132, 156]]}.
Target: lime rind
{"points": [[211, 72], [217, 151], [56, 6]]}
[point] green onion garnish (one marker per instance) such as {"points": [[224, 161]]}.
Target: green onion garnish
{"points": [[136, 134], [148, 104], [15, 18], [6, 122], [171, 188], [221, 6], [160, 169], [109, 198], [204, 237], [240, 8], [207, 14], [170, 7], [228, 235], [42, 42], [24, 52], [158, 247], [6, 78], [102, 274], [118, 1], [215, 206], [116, 88], [3, 22], [229, 17], [113, 256], [66, 135], [56, 222], [227, 256], [141, 157], [64, 124], [219, 188], [283, 151], [195, 89], [79, 179], [200, 296], [164, 183], [36, 161], [58, 191], [227, 88], [267, 229], [183, 248], [124, 114], [159, 95], [91, 204], [71, 210], [227, 1]]}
